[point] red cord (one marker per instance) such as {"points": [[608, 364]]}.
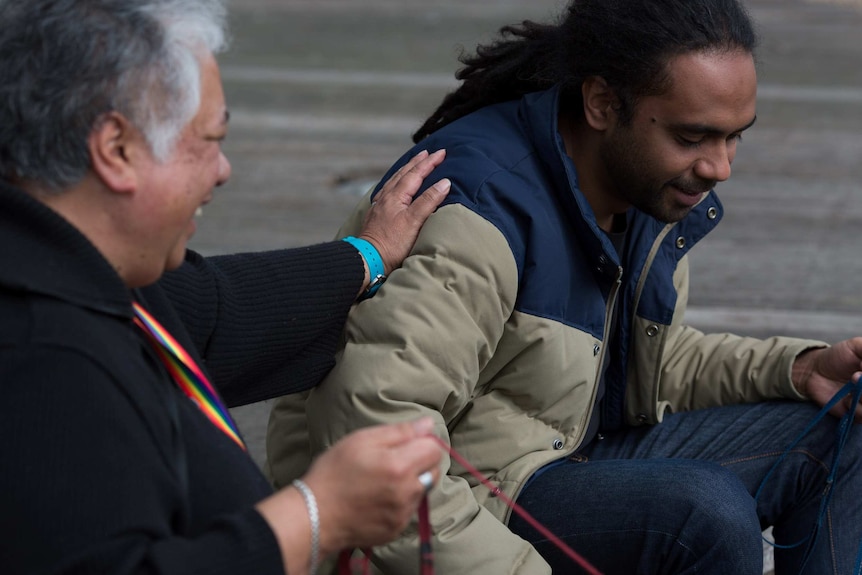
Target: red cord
{"points": [[497, 492], [426, 554]]}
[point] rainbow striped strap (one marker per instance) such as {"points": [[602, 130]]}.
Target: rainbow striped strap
{"points": [[186, 373]]}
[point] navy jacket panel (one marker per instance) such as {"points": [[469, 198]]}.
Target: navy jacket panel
{"points": [[508, 164]]}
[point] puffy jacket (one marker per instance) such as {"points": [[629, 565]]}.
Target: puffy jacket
{"points": [[496, 326]]}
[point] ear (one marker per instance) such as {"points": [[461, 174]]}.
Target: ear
{"points": [[599, 102], [114, 145]]}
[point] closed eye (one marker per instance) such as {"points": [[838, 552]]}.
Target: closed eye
{"points": [[688, 142]]}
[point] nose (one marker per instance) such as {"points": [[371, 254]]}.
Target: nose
{"points": [[224, 169], [715, 164]]}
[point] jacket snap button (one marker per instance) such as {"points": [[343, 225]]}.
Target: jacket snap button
{"points": [[558, 444], [652, 330], [603, 261], [680, 242], [711, 213], [642, 417], [596, 349]]}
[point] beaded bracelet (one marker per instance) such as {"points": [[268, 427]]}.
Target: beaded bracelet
{"points": [[314, 517]]}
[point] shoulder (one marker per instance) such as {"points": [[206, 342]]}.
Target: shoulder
{"points": [[35, 320], [54, 355]]}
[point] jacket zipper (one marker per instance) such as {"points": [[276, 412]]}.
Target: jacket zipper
{"points": [[612, 300]]}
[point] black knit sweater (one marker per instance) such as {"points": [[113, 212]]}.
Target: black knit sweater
{"points": [[105, 467]]}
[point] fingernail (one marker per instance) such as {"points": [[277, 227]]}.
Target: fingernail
{"points": [[443, 185], [423, 426]]}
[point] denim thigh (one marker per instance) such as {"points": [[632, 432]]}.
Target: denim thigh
{"points": [[747, 440]]}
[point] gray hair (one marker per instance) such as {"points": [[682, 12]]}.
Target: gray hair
{"points": [[64, 64]]}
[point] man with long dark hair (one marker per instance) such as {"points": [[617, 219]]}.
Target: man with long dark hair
{"points": [[539, 318]]}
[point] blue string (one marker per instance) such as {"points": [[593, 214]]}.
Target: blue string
{"points": [[843, 432]]}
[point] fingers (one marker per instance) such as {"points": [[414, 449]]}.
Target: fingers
{"points": [[368, 484], [826, 391], [422, 454], [846, 405], [408, 179], [411, 443], [423, 426], [393, 181], [421, 171], [425, 204], [857, 416], [393, 224]]}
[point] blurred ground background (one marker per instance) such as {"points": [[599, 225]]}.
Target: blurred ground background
{"points": [[324, 95]]}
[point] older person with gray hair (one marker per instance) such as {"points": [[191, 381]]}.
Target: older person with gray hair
{"points": [[111, 120]]}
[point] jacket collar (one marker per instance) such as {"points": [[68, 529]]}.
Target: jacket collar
{"points": [[541, 112], [42, 253]]}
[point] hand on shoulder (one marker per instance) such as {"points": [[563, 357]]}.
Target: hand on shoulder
{"points": [[393, 222]]}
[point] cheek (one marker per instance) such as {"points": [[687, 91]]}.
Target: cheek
{"points": [[201, 167], [658, 157], [677, 162]]}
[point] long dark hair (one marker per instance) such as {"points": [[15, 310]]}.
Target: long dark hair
{"points": [[626, 42]]}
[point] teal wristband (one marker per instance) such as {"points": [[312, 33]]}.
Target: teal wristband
{"points": [[372, 259]]}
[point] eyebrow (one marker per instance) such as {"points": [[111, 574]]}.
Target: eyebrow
{"points": [[709, 130]]}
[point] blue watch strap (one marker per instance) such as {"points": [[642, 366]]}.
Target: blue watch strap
{"points": [[372, 259]]}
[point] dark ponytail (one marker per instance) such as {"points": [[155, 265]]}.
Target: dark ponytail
{"points": [[626, 42], [521, 62]]}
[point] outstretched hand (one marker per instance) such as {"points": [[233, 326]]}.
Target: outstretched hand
{"points": [[393, 222], [819, 373]]}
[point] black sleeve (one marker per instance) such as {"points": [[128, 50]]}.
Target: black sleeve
{"points": [[84, 488], [266, 324]]}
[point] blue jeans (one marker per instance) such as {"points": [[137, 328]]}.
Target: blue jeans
{"points": [[678, 497]]}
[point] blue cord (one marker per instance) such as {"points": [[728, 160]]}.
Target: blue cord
{"points": [[844, 427]]}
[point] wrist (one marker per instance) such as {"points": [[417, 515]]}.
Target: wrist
{"points": [[314, 521], [801, 370], [375, 270], [286, 514]]}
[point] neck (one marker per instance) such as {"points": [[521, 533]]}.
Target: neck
{"points": [[582, 146], [91, 211]]}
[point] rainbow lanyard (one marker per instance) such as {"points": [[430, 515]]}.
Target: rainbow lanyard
{"points": [[187, 374]]}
